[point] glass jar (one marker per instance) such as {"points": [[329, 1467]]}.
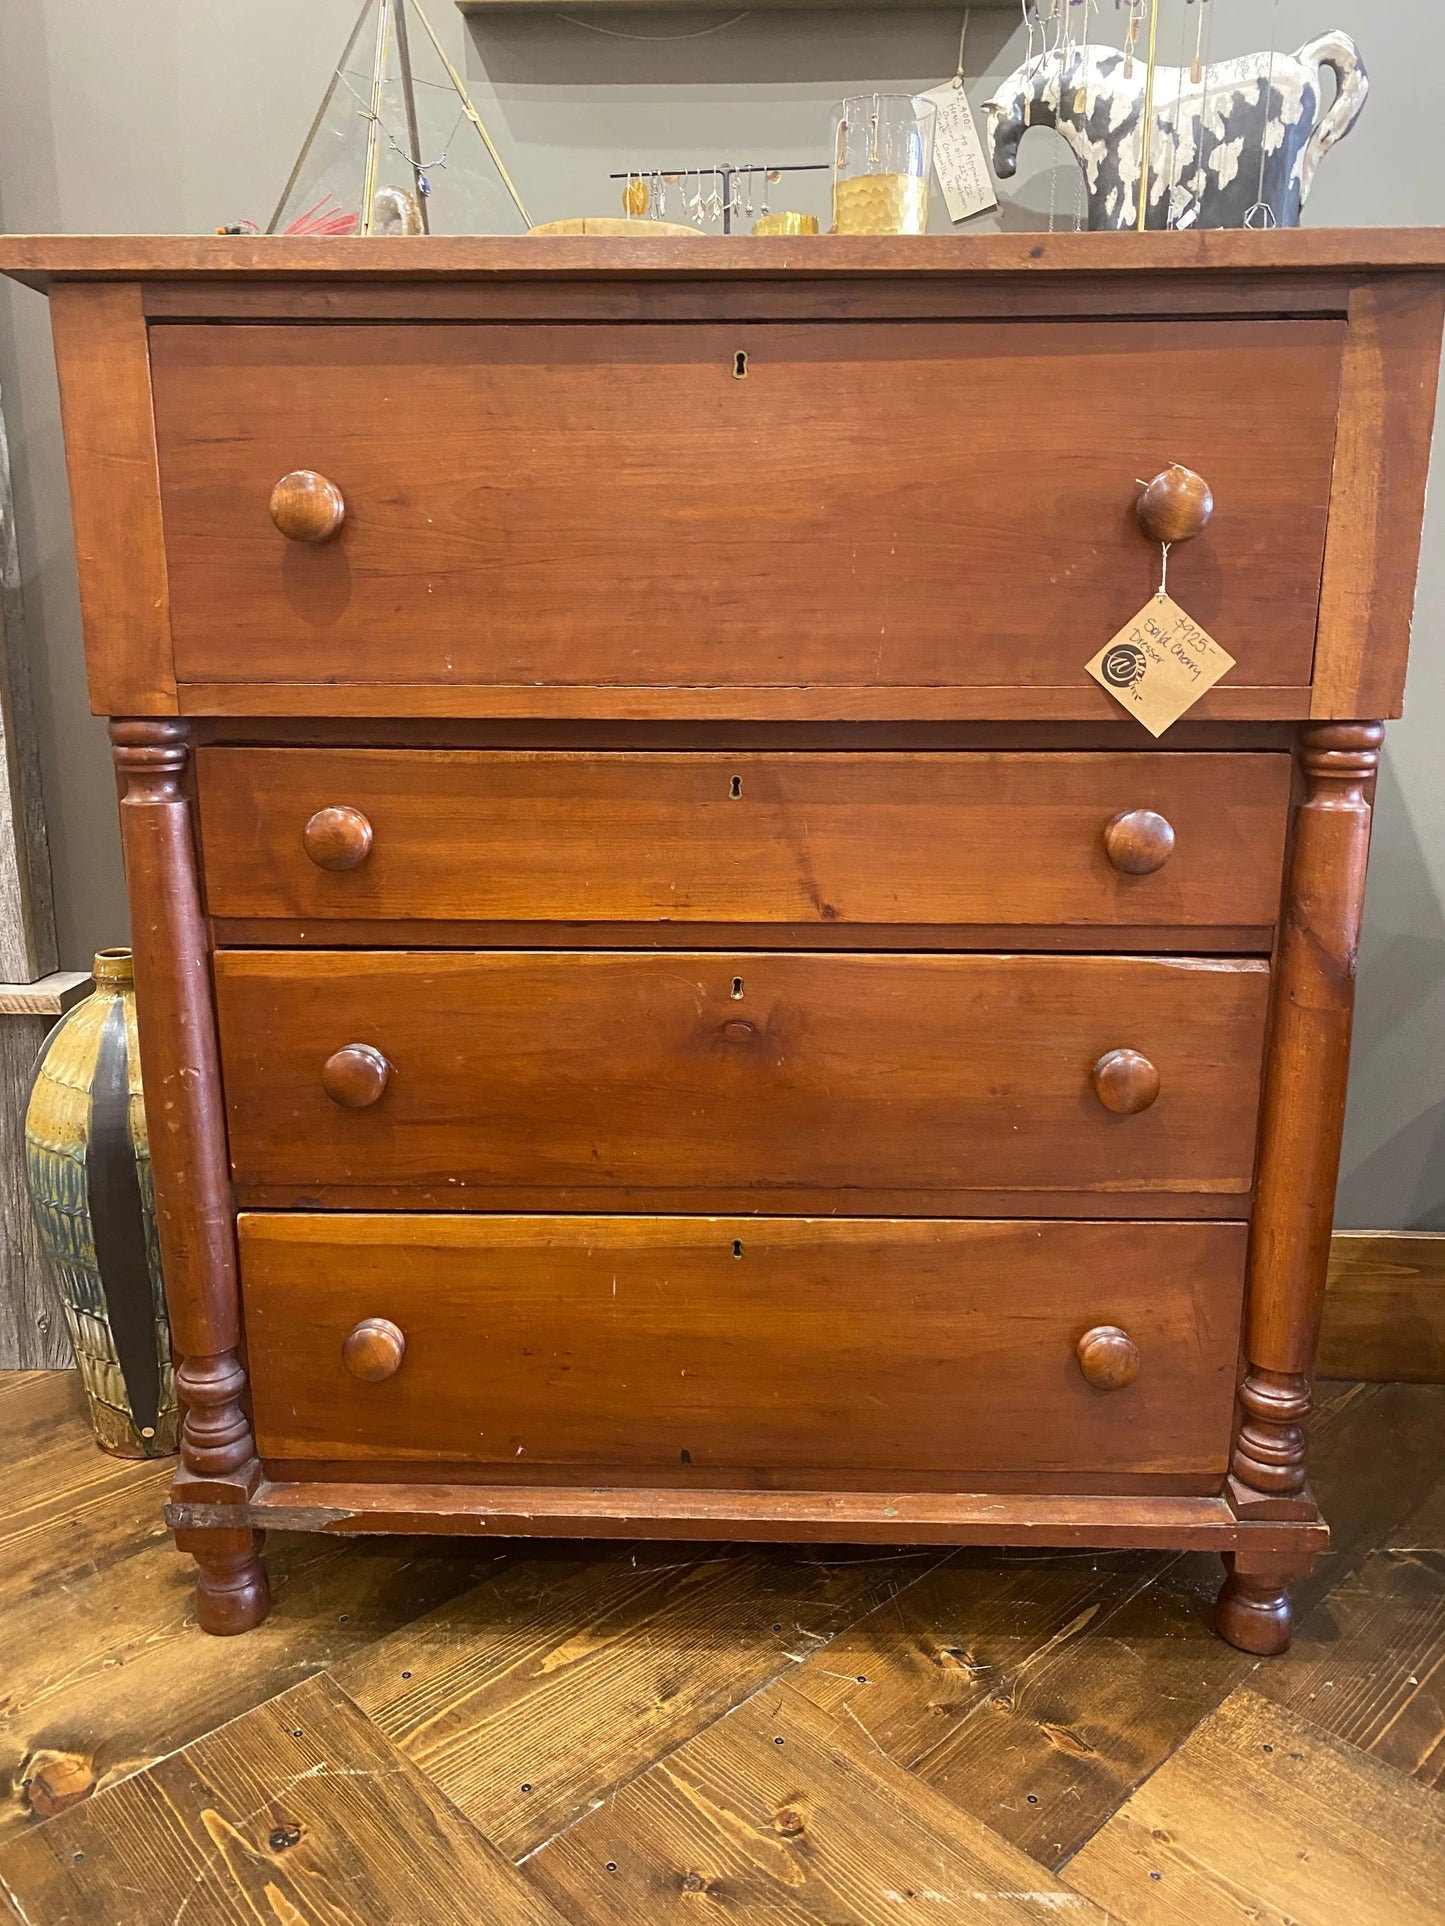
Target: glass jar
{"points": [[882, 163]]}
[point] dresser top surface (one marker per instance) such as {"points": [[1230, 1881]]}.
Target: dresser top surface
{"points": [[38, 260]]}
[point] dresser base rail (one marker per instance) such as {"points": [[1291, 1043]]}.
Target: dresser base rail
{"points": [[968, 1518]]}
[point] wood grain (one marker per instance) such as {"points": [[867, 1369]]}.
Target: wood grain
{"points": [[1369, 1663], [187, 1138], [361, 1506], [1258, 1800], [49, 996], [526, 464], [1382, 463], [791, 295], [87, 1570], [115, 506], [1306, 1080], [275, 932], [642, 1649], [1038, 1694], [464, 701], [1384, 1315], [873, 838], [734, 1345], [543, 1666], [298, 1810], [33, 1333], [785, 1814], [39, 259], [753, 1072], [178, 1037]]}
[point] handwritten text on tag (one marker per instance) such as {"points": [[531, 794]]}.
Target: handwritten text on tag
{"points": [[958, 155], [1160, 664]]}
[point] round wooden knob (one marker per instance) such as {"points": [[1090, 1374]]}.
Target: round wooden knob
{"points": [[375, 1349], [306, 507], [355, 1076], [1108, 1357], [1125, 1082], [1176, 506], [337, 838], [1138, 841]]}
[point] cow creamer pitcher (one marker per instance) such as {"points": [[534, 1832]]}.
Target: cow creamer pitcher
{"points": [[1236, 148]]}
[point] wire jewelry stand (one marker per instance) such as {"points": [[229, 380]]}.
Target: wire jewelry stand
{"points": [[382, 208], [647, 188]]}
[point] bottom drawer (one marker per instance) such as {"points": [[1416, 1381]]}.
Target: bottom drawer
{"points": [[709, 1351]]}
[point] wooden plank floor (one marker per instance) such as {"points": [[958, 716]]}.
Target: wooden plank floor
{"points": [[427, 1733]]}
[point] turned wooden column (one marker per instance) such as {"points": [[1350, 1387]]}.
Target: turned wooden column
{"points": [[176, 1024], [1301, 1126]]}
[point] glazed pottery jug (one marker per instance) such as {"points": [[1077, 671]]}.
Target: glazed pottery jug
{"points": [[87, 1158]]}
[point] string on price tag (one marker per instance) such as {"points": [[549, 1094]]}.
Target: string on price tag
{"points": [[958, 157]]}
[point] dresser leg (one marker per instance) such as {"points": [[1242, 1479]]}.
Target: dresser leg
{"points": [[232, 1592], [185, 1117], [1300, 1128], [1253, 1611]]}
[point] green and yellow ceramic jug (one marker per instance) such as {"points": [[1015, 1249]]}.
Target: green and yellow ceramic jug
{"points": [[87, 1156]]}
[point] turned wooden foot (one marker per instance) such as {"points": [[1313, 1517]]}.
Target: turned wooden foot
{"points": [[1254, 1612], [232, 1592]]}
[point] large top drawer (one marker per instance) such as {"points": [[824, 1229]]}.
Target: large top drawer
{"points": [[836, 505]]}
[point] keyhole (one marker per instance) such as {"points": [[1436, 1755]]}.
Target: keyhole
{"points": [[737, 989], [737, 788], [737, 1247], [740, 365]]}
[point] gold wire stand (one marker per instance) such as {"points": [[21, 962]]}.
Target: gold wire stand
{"points": [[391, 13]]}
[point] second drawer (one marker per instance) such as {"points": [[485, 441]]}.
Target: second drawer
{"points": [[535, 1078], [1110, 841]]}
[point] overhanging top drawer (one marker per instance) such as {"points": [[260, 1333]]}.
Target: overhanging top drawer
{"points": [[886, 505]]}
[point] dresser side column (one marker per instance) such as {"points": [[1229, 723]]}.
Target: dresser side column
{"points": [[185, 1120], [1302, 1123]]}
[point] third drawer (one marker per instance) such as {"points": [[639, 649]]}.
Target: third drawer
{"points": [[696, 1350], [380, 836], [525, 1080]]}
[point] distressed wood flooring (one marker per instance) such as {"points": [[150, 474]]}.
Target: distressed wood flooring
{"points": [[429, 1733]]}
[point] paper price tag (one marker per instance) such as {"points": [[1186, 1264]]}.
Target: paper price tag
{"points": [[1160, 664], [958, 158]]}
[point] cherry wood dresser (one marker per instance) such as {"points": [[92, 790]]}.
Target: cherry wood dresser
{"points": [[671, 1002]]}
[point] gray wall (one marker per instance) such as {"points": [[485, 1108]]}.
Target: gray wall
{"points": [[174, 115]]}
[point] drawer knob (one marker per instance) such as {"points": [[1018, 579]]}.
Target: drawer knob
{"points": [[1139, 841], [340, 838], [1125, 1082], [374, 1350], [355, 1076], [1176, 505], [1108, 1357], [306, 507]]}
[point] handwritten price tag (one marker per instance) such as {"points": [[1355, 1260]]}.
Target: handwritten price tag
{"points": [[958, 155], [1160, 664]]}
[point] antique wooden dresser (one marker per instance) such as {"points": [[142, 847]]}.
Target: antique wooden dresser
{"points": [[671, 1001]]}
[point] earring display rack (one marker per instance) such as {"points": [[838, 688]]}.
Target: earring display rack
{"points": [[726, 198]]}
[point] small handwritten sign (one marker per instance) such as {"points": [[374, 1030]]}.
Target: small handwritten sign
{"points": [[958, 154], [1160, 664]]}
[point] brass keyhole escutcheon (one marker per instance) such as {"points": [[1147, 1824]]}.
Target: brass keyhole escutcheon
{"points": [[740, 365]]}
